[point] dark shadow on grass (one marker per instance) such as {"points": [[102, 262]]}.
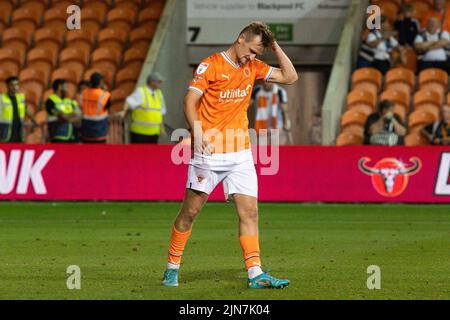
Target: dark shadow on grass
{"points": [[217, 274]]}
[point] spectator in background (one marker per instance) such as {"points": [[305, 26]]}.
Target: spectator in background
{"points": [[95, 103], [271, 112], [384, 127], [147, 108], [376, 51], [431, 47], [407, 27], [13, 110], [438, 133], [439, 12], [63, 114]]}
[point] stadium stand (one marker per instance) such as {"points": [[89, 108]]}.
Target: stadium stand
{"points": [[36, 45], [418, 97]]}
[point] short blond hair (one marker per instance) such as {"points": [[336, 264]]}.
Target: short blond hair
{"points": [[258, 28]]}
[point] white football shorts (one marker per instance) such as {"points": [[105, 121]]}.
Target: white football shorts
{"points": [[235, 170]]}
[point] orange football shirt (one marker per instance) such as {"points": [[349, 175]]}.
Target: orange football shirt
{"points": [[226, 90]]}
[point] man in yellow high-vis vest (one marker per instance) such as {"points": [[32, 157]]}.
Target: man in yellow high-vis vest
{"points": [[13, 110], [147, 108], [63, 114]]}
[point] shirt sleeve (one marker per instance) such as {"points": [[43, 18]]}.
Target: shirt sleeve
{"points": [[371, 37], [135, 99], [202, 76], [394, 42], [163, 106], [445, 35], [263, 70], [418, 39]]}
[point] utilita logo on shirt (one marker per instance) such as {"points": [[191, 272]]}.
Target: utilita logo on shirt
{"points": [[234, 95]]}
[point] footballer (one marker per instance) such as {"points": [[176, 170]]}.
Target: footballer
{"points": [[215, 108]]}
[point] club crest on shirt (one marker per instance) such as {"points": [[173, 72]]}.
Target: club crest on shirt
{"points": [[202, 68], [247, 72]]}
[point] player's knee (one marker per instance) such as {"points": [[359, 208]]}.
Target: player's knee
{"points": [[191, 212]]}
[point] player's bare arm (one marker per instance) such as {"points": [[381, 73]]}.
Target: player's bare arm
{"points": [[201, 144], [286, 74]]}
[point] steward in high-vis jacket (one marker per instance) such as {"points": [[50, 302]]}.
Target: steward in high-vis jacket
{"points": [[63, 114], [147, 108], [13, 110], [95, 103]]}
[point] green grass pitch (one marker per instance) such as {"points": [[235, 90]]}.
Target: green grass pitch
{"points": [[323, 249]]}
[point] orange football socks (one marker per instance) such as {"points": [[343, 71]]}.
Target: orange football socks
{"points": [[176, 247], [250, 248]]}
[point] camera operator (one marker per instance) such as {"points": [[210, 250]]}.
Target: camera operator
{"points": [[384, 127]]}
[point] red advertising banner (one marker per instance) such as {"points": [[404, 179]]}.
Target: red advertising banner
{"points": [[159, 172]]}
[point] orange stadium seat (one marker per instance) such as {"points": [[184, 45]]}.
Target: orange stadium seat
{"points": [[355, 129], [411, 59], [10, 60], [4, 74], [400, 99], [141, 37], [55, 18], [17, 39], [108, 74], [420, 118], [361, 100], [415, 138], [91, 20], [127, 75], [368, 79], [31, 98], [151, 13], [389, 9], [71, 80], [75, 60], [31, 75], [81, 39], [427, 100], [26, 19], [448, 99], [118, 97], [6, 8], [100, 6], [48, 38], [38, 6], [131, 4], [420, 7], [434, 79], [121, 18], [134, 57], [108, 58], [41, 59], [400, 79], [65, 3], [112, 38], [349, 139], [351, 117]]}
